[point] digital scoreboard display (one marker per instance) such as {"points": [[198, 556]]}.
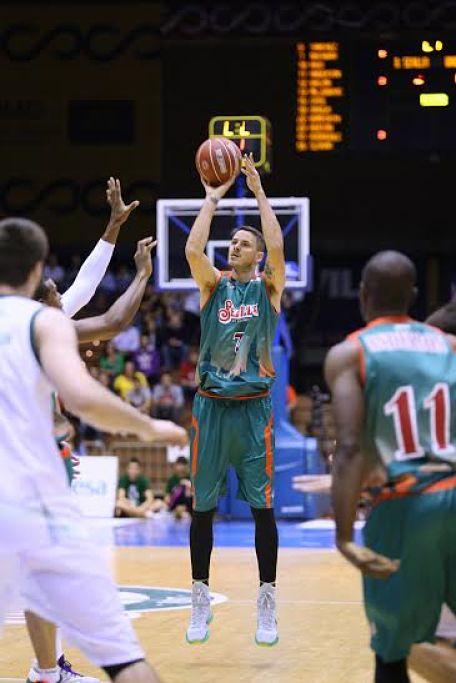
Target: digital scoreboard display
{"points": [[365, 95]]}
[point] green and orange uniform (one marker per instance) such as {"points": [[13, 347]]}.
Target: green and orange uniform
{"points": [[409, 374], [232, 412]]}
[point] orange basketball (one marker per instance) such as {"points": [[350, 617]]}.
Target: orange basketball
{"points": [[217, 160]]}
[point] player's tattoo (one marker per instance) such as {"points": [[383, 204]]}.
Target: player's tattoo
{"points": [[268, 271]]}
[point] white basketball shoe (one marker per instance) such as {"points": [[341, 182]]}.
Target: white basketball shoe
{"points": [[266, 633], [201, 615]]}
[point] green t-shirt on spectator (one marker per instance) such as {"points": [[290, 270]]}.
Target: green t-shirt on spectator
{"points": [[135, 490], [115, 366]]}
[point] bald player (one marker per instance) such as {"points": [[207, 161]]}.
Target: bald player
{"points": [[393, 385]]}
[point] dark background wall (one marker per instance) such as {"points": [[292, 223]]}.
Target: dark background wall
{"points": [[89, 90]]}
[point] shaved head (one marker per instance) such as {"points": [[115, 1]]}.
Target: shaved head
{"points": [[388, 284]]}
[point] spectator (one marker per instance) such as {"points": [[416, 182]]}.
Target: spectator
{"points": [[54, 270], [72, 271], [124, 383], [167, 398], [134, 495], [112, 362], [179, 489], [173, 340], [187, 373], [147, 358], [128, 340], [139, 397]]}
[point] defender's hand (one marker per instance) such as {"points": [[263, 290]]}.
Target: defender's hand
{"points": [[251, 174], [367, 561], [119, 211], [217, 192], [163, 431], [143, 258]]}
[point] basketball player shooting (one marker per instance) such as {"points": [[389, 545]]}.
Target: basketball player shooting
{"points": [[232, 412]]}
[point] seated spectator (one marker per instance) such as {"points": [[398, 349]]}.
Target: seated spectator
{"points": [[112, 361], [179, 489], [128, 340], [187, 373], [134, 495], [173, 338], [167, 398], [108, 284], [139, 397], [147, 358], [125, 383]]}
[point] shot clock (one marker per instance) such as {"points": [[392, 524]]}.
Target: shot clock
{"points": [[252, 134]]}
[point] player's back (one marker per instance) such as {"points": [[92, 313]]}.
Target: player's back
{"points": [[409, 373], [29, 459]]}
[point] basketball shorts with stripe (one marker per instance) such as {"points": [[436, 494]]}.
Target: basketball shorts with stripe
{"points": [[232, 432]]}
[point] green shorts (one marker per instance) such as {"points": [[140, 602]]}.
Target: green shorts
{"points": [[236, 432], [420, 530]]}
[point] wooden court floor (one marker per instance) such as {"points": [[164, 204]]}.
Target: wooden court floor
{"points": [[323, 633]]}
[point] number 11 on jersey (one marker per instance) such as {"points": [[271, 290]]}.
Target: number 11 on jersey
{"points": [[402, 408]]}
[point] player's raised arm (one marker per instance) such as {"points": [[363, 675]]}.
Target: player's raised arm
{"points": [[274, 270], [203, 272], [94, 267], [342, 377], [56, 344], [122, 312]]}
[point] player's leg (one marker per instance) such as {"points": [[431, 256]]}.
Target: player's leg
{"points": [[65, 579], [133, 672], [208, 472], [405, 609], [254, 463]]}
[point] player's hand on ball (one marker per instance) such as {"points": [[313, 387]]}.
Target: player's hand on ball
{"points": [[143, 258], [217, 192], [251, 174], [164, 431], [119, 210], [367, 561]]}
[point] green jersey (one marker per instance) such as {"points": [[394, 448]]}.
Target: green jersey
{"points": [[409, 373], [237, 329]]}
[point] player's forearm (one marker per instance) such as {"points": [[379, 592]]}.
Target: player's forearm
{"points": [[111, 232], [199, 234], [272, 231], [102, 409], [346, 489], [87, 280]]}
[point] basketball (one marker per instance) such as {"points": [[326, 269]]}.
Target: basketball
{"points": [[217, 160]]}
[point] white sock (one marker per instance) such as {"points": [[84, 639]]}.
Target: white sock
{"points": [[48, 675], [58, 644]]}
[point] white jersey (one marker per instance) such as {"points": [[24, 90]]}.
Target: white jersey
{"points": [[31, 466]]}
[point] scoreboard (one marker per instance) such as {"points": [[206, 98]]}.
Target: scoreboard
{"points": [[368, 94]]}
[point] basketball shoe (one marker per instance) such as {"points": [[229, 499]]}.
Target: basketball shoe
{"points": [[63, 673], [201, 616], [266, 633]]}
